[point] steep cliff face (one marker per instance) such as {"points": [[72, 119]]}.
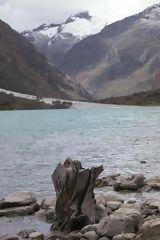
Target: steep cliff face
{"points": [[54, 40], [122, 59], [25, 70]]}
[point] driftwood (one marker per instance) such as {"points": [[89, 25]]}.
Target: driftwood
{"points": [[75, 200]]}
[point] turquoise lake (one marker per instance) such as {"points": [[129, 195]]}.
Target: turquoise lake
{"points": [[32, 143]]}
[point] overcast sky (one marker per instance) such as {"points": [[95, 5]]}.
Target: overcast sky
{"points": [[27, 14]]}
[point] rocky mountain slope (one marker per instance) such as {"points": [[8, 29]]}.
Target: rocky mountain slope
{"points": [[54, 40], [122, 59], [25, 70]]}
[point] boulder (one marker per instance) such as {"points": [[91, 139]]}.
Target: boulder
{"points": [[103, 238], [131, 212], [19, 211], [101, 211], [25, 233], [49, 202], [115, 224], [17, 199], [50, 216], [154, 182], [125, 236], [91, 235], [151, 207], [60, 236], [132, 183], [150, 230], [36, 236], [104, 198], [114, 205], [8, 237], [89, 228]]}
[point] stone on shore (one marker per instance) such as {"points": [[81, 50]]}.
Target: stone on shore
{"points": [[154, 182], [114, 205], [36, 236], [132, 183], [125, 236], [91, 235], [8, 237], [25, 233], [115, 224], [104, 198], [89, 228], [19, 211], [150, 230], [48, 203], [17, 199]]}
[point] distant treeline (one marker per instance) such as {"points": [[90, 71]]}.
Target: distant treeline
{"points": [[146, 98], [10, 102]]}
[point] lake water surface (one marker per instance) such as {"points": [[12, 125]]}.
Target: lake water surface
{"points": [[33, 142]]}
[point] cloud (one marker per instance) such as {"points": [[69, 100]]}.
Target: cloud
{"points": [[27, 14]]}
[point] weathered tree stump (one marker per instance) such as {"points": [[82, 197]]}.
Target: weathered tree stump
{"points": [[75, 200]]}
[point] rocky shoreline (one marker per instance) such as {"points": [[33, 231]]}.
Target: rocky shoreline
{"points": [[116, 217]]}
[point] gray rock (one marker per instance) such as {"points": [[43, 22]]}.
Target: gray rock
{"points": [[60, 236], [104, 198], [19, 211], [25, 233], [125, 236], [133, 183], [8, 237], [131, 212], [89, 228], [48, 202], [17, 199], [36, 236], [150, 230], [100, 211], [103, 238], [114, 205], [91, 235], [115, 224], [50, 216], [154, 182]]}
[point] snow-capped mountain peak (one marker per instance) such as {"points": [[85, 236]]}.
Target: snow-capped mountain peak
{"points": [[54, 40]]}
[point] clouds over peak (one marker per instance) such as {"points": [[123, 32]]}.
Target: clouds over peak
{"points": [[27, 14]]}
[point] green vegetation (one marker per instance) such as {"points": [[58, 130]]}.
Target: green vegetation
{"points": [[148, 98], [10, 102]]}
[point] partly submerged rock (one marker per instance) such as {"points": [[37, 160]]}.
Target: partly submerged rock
{"points": [[154, 182], [132, 183], [19, 211], [36, 236], [25, 233], [17, 199], [49, 202]]}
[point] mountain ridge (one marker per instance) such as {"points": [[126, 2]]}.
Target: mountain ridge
{"points": [[25, 70], [121, 59], [54, 40]]}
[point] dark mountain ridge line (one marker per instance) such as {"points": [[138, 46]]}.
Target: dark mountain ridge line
{"points": [[121, 59], [25, 70], [148, 98]]}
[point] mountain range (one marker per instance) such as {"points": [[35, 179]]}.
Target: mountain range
{"points": [[122, 59], [24, 70], [55, 40]]}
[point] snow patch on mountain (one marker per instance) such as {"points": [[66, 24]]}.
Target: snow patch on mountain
{"points": [[49, 32], [81, 27]]}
